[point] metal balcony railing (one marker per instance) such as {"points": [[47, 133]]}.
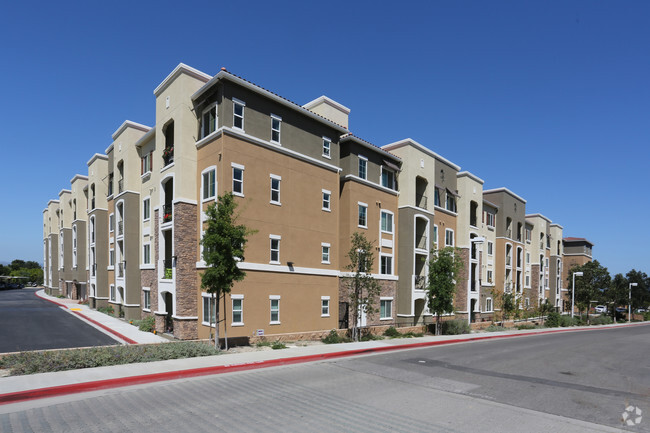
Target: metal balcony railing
{"points": [[420, 282]]}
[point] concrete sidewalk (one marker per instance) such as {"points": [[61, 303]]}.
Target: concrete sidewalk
{"points": [[29, 387]]}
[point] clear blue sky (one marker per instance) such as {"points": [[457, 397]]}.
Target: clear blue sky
{"points": [[550, 99]]}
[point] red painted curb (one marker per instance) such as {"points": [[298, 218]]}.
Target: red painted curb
{"points": [[75, 388], [112, 331]]}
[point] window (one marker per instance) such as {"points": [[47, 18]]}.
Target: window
{"points": [[363, 167], [363, 215], [528, 257], [238, 113], [451, 202], [275, 189], [488, 304], [386, 267], [110, 187], [237, 179], [111, 257], [386, 309], [489, 276], [146, 299], [324, 306], [275, 309], [490, 219], [387, 178], [209, 184], [528, 235], [209, 121], [209, 317], [111, 223], [449, 238], [436, 197], [237, 310], [327, 195], [146, 163], [527, 280], [490, 248], [325, 253], [327, 147], [146, 209], [146, 254], [275, 249], [113, 294], [435, 236], [386, 222], [276, 121]]}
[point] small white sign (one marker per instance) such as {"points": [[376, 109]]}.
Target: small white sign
{"points": [[260, 332]]}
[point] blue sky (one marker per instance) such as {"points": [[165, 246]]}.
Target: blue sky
{"points": [[549, 99]]}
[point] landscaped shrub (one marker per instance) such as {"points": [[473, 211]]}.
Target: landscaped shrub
{"points": [[566, 321], [494, 328], [646, 316], [107, 310], [334, 338], [71, 359], [370, 337], [521, 326], [392, 332], [147, 324], [455, 327], [602, 320], [278, 345], [553, 319]]}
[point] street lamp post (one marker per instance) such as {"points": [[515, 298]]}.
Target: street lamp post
{"points": [[573, 292], [629, 304]]}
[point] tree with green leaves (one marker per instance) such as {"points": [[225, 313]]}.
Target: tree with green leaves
{"points": [[362, 288], [507, 302], [590, 286], [640, 293], [444, 268], [223, 248]]}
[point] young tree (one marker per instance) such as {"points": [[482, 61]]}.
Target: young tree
{"points": [[362, 288], [590, 285], [223, 247], [444, 267]]}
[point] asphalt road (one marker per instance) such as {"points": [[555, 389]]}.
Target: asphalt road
{"points": [[566, 382], [31, 323]]}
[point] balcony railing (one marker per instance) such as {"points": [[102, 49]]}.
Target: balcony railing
{"points": [[120, 269], [168, 155], [120, 185], [421, 201], [167, 266], [420, 282], [167, 213], [120, 228]]}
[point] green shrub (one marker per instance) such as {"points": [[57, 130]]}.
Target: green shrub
{"points": [[107, 310], [521, 326], [392, 332], [263, 343], [566, 321], [278, 345], [494, 328], [602, 320], [71, 359], [646, 316], [147, 324], [334, 338], [553, 319], [370, 337], [455, 327]]}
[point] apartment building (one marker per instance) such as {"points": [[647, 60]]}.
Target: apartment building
{"points": [[99, 256], [538, 252], [78, 287], [65, 243], [577, 252], [557, 290]]}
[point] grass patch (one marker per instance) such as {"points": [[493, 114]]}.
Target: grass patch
{"points": [[72, 359]]}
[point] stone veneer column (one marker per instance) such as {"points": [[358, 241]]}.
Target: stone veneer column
{"points": [[460, 300], [185, 247]]}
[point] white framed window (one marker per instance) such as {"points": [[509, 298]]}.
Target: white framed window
{"points": [[209, 120], [325, 253], [546, 262], [111, 257], [275, 249], [451, 202], [488, 305], [435, 236], [146, 209], [276, 123], [387, 221], [387, 177], [111, 223], [238, 113], [146, 254], [363, 167], [491, 219], [386, 265], [113, 294], [146, 163], [208, 183], [275, 310], [449, 238], [327, 147], [527, 280], [237, 179], [275, 189], [237, 310], [363, 215], [327, 200], [527, 257], [146, 298], [490, 248], [208, 313], [385, 308], [324, 306], [490, 279]]}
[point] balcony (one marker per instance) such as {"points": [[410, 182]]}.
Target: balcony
{"points": [[120, 270], [92, 203], [508, 261], [167, 213], [120, 185], [420, 282], [421, 201], [167, 266], [509, 233], [120, 228], [168, 155], [421, 243], [93, 269]]}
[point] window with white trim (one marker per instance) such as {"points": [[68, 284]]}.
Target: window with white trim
{"points": [[146, 163], [324, 306], [275, 310], [146, 298], [209, 121], [113, 295], [449, 238], [146, 254], [488, 305], [327, 147], [387, 222], [275, 189], [237, 179], [527, 280], [363, 167], [451, 202], [491, 219], [385, 308], [490, 248], [327, 197], [111, 223], [208, 184], [325, 253], [146, 209], [387, 178], [435, 236], [275, 249], [209, 315], [386, 265], [363, 215], [276, 123], [111, 257], [237, 310], [489, 276], [238, 113]]}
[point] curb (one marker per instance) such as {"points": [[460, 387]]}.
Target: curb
{"points": [[56, 391], [94, 322]]}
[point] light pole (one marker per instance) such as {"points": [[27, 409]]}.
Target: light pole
{"points": [[478, 241], [629, 303], [573, 291]]}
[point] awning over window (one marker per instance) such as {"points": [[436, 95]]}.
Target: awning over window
{"points": [[391, 165], [455, 194]]}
